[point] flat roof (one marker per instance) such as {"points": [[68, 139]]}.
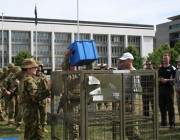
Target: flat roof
{"points": [[174, 17], [41, 20]]}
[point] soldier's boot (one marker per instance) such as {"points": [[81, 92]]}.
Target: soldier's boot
{"points": [[44, 129], [2, 118]]}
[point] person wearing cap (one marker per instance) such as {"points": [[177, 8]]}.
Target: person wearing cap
{"points": [[73, 96], [99, 105], [8, 89], [43, 83], [1, 100], [177, 84], [147, 84], [30, 96], [126, 60], [7, 73], [166, 74], [19, 120], [11, 88]]}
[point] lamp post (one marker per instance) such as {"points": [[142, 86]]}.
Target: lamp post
{"points": [[78, 19], [2, 42]]}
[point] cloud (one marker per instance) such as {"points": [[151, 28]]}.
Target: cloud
{"points": [[149, 12]]}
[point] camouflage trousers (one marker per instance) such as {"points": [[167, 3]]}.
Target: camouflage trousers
{"points": [[11, 110], [31, 120], [19, 115], [43, 113], [73, 108]]}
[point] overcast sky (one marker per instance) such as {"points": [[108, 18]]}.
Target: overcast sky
{"points": [[149, 12]]}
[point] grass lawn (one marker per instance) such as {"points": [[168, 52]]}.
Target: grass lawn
{"points": [[10, 131]]}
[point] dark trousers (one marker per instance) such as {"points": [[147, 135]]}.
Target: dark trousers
{"points": [[147, 99], [166, 104]]}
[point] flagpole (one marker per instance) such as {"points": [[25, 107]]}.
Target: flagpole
{"points": [[78, 18], [36, 42], [35, 12], [2, 42]]}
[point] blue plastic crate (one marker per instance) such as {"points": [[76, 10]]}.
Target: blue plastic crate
{"points": [[12, 138], [83, 52]]}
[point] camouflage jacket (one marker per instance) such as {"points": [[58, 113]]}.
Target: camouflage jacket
{"points": [[30, 92], [73, 79], [42, 81]]}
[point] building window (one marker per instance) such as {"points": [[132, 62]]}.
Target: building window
{"points": [[46, 61], [16, 48], [62, 38], [82, 36], [19, 36], [175, 26], [42, 49], [58, 61], [100, 39], [115, 39], [60, 49], [5, 36], [42, 37]]}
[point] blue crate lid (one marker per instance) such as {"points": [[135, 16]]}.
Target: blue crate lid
{"points": [[83, 52], [11, 138]]}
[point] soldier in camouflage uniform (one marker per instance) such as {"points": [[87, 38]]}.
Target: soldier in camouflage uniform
{"points": [[1, 100], [30, 96], [10, 93], [8, 89], [43, 83], [73, 97], [6, 75], [19, 105]]}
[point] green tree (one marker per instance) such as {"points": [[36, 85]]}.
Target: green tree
{"points": [[21, 56], [157, 55], [138, 60], [177, 47]]}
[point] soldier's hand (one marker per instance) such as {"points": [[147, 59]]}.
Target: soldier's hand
{"points": [[17, 82], [49, 85], [8, 92], [67, 53], [48, 100]]}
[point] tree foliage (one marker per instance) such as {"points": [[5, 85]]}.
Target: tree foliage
{"points": [[21, 56], [138, 60], [157, 55]]}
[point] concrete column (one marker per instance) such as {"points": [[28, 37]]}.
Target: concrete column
{"points": [[32, 44], [10, 48], [126, 41], [109, 63], [72, 37], [52, 51]]}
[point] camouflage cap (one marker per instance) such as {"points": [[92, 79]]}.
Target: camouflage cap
{"points": [[10, 65], [16, 69], [39, 63], [29, 63]]}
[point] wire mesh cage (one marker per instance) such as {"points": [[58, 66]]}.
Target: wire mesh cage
{"points": [[106, 105]]}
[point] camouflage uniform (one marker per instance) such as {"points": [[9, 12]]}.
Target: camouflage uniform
{"points": [[1, 101], [42, 81], [73, 96], [7, 73], [30, 96], [10, 91], [19, 104]]}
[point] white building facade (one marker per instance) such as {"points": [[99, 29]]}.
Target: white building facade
{"points": [[54, 36]]}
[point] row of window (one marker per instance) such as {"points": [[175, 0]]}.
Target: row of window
{"points": [[175, 26], [21, 42], [22, 36]]}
